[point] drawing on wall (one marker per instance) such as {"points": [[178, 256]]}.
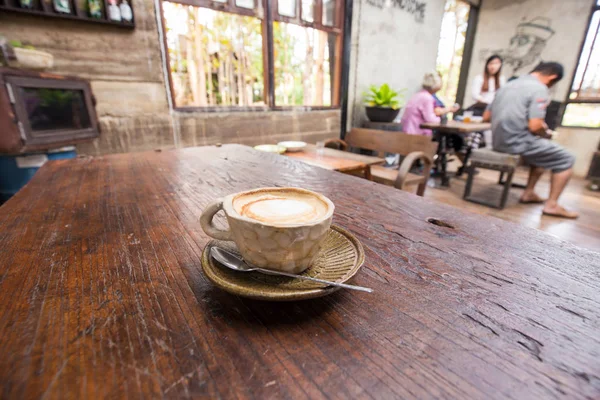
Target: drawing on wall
{"points": [[525, 47], [413, 7]]}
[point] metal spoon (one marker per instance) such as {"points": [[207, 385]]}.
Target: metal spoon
{"points": [[233, 261]]}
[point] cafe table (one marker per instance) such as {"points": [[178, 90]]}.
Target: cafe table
{"points": [[102, 294], [337, 160], [443, 131]]}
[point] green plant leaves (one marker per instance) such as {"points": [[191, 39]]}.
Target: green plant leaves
{"points": [[384, 96]]}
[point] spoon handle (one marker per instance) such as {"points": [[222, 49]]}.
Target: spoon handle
{"points": [[308, 278]]}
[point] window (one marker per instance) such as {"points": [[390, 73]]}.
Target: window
{"points": [[221, 54], [451, 46], [583, 104]]}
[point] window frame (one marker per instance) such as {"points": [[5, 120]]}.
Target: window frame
{"points": [[266, 11], [595, 8]]}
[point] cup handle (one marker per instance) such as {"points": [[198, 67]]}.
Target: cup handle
{"points": [[206, 221]]}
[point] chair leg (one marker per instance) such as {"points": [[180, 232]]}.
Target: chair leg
{"points": [[421, 188], [426, 174], [470, 176], [507, 186], [501, 179]]}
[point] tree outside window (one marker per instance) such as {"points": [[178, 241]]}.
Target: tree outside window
{"points": [[218, 53]]}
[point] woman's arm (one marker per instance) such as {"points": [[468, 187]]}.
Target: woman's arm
{"points": [[476, 89], [439, 111], [428, 111]]}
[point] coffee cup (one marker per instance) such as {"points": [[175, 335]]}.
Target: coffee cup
{"points": [[274, 228]]}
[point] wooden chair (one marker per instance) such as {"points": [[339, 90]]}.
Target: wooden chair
{"points": [[412, 147], [337, 144]]}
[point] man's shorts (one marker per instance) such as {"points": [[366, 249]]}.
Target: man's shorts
{"points": [[546, 154]]}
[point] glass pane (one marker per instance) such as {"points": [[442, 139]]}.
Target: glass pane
{"points": [[451, 46], [587, 115], [304, 65], [245, 3], [328, 13], [308, 10], [50, 109], [215, 57], [287, 8], [587, 77]]}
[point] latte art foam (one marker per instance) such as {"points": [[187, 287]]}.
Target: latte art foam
{"points": [[280, 207]]}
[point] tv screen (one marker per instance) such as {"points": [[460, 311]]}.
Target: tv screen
{"points": [[50, 109]]}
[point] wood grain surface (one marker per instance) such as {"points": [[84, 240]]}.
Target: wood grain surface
{"points": [[102, 294], [328, 162], [457, 126], [335, 160]]}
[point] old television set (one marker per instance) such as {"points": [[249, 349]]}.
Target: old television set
{"points": [[41, 111]]}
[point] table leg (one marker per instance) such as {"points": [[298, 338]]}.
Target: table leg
{"points": [[440, 163], [368, 172], [443, 159]]}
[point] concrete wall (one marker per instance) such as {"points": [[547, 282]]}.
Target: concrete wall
{"points": [[581, 142], [394, 42], [550, 30], [126, 72], [251, 128]]}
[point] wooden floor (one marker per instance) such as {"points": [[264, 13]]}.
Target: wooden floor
{"points": [[584, 231]]}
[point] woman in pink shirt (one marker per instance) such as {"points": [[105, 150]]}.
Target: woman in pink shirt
{"points": [[421, 107]]}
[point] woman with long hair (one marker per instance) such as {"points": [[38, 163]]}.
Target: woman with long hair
{"points": [[483, 91], [485, 86]]}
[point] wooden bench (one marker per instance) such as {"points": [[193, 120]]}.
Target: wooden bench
{"points": [[412, 147], [489, 159]]}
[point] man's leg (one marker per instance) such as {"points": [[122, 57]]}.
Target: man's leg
{"points": [[529, 195], [557, 186], [549, 155]]}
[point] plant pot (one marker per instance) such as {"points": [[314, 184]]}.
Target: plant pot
{"points": [[381, 114], [32, 59]]}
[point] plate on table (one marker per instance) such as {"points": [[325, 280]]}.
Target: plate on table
{"points": [[271, 148], [293, 146], [340, 258]]}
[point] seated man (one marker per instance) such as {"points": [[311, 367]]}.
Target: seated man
{"points": [[517, 115]]}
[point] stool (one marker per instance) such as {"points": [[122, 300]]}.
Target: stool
{"points": [[489, 159]]}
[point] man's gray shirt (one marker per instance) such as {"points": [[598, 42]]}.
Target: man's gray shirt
{"points": [[515, 104]]}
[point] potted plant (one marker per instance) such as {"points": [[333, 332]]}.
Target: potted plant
{"points": [[382, 103], [29, 58]]}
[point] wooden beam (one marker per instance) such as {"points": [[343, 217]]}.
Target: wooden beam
{"points": [[467, 55]]}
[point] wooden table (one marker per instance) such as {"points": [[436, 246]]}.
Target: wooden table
{"points": [[457, 127], [102, 293], [337, 160], [442, 133]]}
